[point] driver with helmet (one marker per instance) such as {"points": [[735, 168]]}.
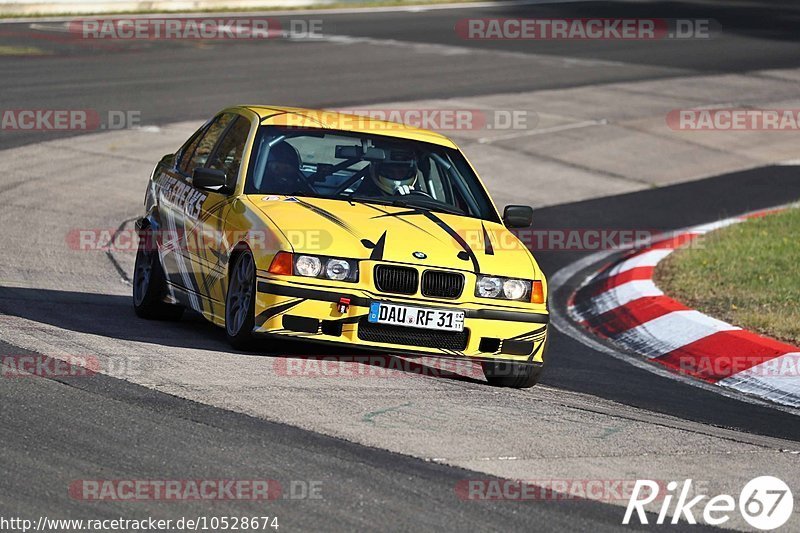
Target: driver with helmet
{"points": [[395, 175], [283, 174]]}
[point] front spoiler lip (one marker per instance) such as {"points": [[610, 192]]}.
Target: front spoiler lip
{"points": [[395, 353], [360, 301]]}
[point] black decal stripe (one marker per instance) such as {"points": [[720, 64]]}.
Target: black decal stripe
{"points": [[327, 215], [184, 263], [194, 268], [530, 339], [310, 294], [267, 314], [377, 251], [487, 243], [536, 351], [218, 207], [535, 338], [203, 277], [540, 333], [360, 301], [531, 335], [347, 319], [458, 238], [399, 216]]}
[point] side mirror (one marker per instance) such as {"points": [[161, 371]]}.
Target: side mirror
{"points": [[518, 216], [210, 179]]}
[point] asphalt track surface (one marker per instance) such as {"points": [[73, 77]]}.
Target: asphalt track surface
{"points": [[147, 76], [53, 430]]}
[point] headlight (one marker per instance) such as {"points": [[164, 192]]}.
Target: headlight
{"points": [[337, 269], [503, 288], [308, 265], [314, 266], [489, 287], [516, 289]]}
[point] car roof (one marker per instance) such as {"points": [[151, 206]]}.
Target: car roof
{"points": [[332, 120]]}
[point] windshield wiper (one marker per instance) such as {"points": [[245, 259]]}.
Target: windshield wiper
{"points": [[403, 202], [368, 200], [446, 209]]}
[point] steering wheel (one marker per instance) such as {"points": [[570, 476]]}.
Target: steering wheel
{"points": [[301, 178], [416, 192]]}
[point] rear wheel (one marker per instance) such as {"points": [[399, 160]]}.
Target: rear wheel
{"points": [[240, 302], [150, 287], [515, 375]]}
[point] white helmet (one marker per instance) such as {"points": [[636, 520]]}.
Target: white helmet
{"points": [[397, 174]]}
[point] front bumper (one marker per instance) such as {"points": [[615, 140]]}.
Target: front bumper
{"points": [[308, 311]]}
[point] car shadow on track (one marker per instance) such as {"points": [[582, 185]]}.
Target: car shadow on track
{"points": [[112, 316]]}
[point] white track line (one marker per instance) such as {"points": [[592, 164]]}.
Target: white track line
{"points": [[467, 51], [543, 131]]}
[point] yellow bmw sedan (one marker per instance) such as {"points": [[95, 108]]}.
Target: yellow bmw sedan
{"points": [[334, 228]]}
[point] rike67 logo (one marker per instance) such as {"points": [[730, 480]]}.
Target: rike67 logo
{"points": [[765, 502]]}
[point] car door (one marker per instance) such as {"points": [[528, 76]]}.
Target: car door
{"points": [[212, 239], [179, 208]]}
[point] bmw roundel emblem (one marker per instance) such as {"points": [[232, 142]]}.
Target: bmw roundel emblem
{"points": [[419, 255]]}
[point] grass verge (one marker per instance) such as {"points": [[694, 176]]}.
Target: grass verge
{"points": [[747, 274]]}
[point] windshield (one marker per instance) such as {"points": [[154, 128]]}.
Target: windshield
{"points": [[365, 168]]}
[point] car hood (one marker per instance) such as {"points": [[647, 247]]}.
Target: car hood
{"points": [[396, 234]]}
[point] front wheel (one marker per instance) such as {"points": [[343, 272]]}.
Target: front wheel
{"points": [[150, 287], [514, 375], [240, 302]]}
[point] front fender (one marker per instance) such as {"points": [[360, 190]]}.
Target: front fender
{"points": [[251, 228]]}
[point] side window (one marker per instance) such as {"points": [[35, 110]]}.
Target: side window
{"points": [[435, 183], [197, 154], [228, 156], [189, 147]]}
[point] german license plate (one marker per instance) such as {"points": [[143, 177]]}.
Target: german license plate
{"points": [[416, 317]]}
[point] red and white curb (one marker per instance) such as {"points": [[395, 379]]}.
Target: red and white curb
{"points": [[623, 304]]}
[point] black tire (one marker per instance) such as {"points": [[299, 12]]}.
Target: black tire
{"points": [[514, 375], [240, 302], [150, 287]]}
